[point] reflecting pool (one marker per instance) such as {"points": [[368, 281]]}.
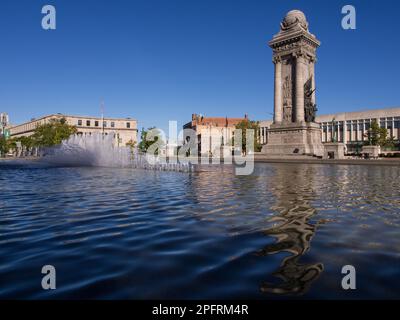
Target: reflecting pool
{"points": [[284, 232]]}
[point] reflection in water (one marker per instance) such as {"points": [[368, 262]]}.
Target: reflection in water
{"points": [[139, 234], [293, 230]]}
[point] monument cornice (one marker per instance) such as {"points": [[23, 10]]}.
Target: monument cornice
{"points": [[295, 52], [282, 39]]}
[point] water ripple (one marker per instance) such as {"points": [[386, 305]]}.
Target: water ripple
{"points": [[284, 231]]}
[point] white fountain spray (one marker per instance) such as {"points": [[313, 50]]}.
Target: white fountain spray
{"points": [[99, 150]]}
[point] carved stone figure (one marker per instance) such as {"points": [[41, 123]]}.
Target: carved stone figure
{"points": [[287, 100], [310, 108]]}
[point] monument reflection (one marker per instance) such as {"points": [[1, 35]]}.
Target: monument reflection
{"points": [[293, 230]]}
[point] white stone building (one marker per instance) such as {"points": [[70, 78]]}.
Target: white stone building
{"points": [[349, 128], [213, 133], [124, 129]]}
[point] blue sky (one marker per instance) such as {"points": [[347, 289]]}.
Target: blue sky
{"points": [[160, 60]]}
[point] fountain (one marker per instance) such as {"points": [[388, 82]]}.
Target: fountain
{"points": [[98, 150]]}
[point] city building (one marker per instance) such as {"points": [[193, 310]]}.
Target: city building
{"points": [[125, 130], [349, 128], [213, 132], [4, 124]]}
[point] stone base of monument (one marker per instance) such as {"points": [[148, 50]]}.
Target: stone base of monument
{"points": [[294, 139], [334, 150]]}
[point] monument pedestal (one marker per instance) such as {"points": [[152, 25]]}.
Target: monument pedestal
{"points": [[294, 139]]}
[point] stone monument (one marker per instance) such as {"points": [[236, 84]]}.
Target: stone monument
{"points": [[294, 130]]}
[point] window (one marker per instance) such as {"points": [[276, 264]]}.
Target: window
{"points": [[113, 124], [128, 125], [96, 123], [104, 124], [88, 123], [79, 122]]}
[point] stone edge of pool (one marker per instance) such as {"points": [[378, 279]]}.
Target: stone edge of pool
{"points": [[380, 162], [258, 159]]}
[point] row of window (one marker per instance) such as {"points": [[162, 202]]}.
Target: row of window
{"points": [[388, 121], [97, 124], [361, 126]]}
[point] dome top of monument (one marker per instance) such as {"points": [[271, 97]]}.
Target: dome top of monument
{"points": [[294, 18]]}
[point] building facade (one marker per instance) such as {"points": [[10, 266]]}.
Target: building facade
{"points": [[349, 128], [125, 130], [4, 124], [213, 132]]}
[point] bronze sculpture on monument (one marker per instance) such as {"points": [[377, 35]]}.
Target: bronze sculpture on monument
{"points": [[294, 130]]}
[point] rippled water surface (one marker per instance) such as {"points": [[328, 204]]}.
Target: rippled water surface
{"points": [[285, 231]]}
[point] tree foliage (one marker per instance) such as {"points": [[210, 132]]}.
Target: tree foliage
{"points": [[376, 135], [131, 144], [244, 125], [145, 143], [52, 133], [4, 147], [45, 135]]}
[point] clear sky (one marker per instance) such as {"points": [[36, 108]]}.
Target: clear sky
{"points": [[160, 60]]}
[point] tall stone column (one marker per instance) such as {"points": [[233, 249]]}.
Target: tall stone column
{"points": [[351, 131], [297, 48], [299, 87], [278, 90], [392, 133]]}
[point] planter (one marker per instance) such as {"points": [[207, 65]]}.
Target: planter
{"points": [[334, 150], [371, 151]]}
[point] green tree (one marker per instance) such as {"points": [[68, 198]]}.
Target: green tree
{"points": [[131, 144], [4, 147], [53, 133], [246, 124], [390, 143], [144, 142], [376, 135], [27, 142]]}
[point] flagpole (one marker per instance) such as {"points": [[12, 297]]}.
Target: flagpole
{"points": [[102, 116]]}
